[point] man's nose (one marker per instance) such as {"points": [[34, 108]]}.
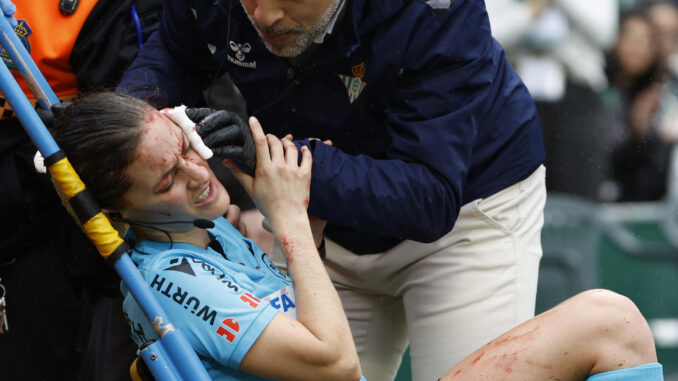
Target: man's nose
{"points": [[267, 12]]}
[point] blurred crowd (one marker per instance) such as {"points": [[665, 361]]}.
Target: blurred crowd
{"points": [[604, 75]]}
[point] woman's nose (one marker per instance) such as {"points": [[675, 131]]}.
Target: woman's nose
{"points": [[196, 174]]}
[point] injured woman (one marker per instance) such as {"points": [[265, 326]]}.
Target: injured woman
{"points": [[246, 319]]}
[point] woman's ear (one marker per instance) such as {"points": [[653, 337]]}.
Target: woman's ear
{"points": [[117, 220]]}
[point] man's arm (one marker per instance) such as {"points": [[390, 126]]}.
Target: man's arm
{"points": [[462, 126], [391, 197], [174, 65]]}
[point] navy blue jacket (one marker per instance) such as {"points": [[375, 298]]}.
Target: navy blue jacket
{"points": [[440, 118]]}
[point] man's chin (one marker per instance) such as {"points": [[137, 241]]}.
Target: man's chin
{"points": [[284, 46]]}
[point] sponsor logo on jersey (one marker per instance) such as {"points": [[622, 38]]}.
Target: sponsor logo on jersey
{"points": [[138, 333], [228, 329], [23, 31], [355, 84], [250, 299], [182, 267], [184, 298], [240, 51], [283, 301]]}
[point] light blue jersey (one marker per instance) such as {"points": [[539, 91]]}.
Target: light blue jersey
{"points": [[222, 303]]}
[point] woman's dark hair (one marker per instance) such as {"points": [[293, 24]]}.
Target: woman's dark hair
{"points": [[99, 134], [612, 69]]}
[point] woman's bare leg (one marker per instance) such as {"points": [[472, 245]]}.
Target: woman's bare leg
{"points": [[593, 332]]}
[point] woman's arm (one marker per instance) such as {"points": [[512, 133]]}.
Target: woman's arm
{"points": [[318, 345]]}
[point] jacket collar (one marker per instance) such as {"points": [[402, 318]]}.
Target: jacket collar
{"points": [[362, 17]]}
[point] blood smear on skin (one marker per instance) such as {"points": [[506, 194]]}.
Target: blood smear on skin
{"points": [[287, 245]]}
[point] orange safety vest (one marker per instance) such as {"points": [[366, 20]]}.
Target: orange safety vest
{"points": [[49, 36]]}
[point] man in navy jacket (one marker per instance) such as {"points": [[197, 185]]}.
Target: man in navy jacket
{"points": [[433, 187]]}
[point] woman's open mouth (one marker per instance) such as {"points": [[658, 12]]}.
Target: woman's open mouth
{"points": [[207, 195]]}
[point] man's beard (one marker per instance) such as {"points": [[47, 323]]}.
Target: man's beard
{"points": [[299, 39]]}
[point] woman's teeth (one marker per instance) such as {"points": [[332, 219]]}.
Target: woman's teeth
{"points": [[203, 195]]}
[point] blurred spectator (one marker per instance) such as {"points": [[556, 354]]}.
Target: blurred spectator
{"points": [[632, 100], [631, 68], [642, 102], [630, 5], [664, 16], [511, 20], [640, 164], [560, 56]]}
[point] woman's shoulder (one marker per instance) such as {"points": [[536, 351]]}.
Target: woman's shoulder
{"points": [[176, 259], [168, 259]]}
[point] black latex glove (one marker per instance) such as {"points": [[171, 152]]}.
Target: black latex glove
{"points": [[48, 116], [227, 135]]}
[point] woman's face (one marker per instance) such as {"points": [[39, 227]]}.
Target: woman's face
{"points": [[636, 47], [170, 181]]}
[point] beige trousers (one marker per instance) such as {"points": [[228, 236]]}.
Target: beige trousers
{"points": [[445, 298]]}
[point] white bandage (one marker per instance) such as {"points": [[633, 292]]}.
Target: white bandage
{"points": [[178, 116]]}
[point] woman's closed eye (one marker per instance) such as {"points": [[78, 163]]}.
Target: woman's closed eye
{"points": [[170, 181]]}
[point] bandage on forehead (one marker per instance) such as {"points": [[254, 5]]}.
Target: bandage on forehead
{"points": [[178, 116]]}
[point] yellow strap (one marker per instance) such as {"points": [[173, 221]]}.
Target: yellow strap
{"points": [[98, 228], [133, 372], [100, 231], [63, 173]]}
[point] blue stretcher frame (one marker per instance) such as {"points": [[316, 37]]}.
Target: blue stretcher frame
{"points": [[169, 358]]}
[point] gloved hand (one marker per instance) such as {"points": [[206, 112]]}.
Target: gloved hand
{"points": [[227, 135], [8, 9]]}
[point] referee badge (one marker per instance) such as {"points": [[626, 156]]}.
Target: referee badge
{"points": [[354, 85]]}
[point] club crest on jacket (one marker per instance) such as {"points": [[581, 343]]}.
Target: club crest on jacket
{"points": [[355, 84]]}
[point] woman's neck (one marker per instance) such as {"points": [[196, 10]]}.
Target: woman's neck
{"points": [[195, 236]]}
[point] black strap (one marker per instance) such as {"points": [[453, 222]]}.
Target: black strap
{"points": [[117, 253], [53, 158], [84, 205]]}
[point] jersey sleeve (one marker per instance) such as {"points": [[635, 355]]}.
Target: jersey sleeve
{"points": [[220, 318]]}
